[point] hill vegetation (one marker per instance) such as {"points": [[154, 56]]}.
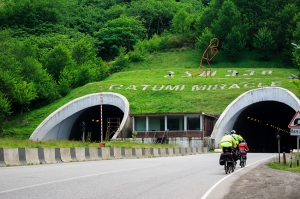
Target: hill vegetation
{"points": [[55, 51]]}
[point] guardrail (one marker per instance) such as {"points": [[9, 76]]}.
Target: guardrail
{"points": [[34, 156]]}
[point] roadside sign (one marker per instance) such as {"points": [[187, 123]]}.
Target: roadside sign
{"points": [[295, 123], [295, 132]]}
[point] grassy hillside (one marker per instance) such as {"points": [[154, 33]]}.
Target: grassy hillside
{"points": [[149, 88]]}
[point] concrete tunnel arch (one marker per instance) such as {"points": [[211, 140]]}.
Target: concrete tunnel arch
{"points": [[58, 125], [230, 115]]}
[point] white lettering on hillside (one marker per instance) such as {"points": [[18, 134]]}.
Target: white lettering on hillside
{"points": [[213, 73], [188, 74], [208, 73], [233, 72], [195, 87], [155, 89], [234, 86], [267, 71], [276, 84], [248, 85], [145, 86], [169, 87], [131, 87], [249, 72], [115, 87]]}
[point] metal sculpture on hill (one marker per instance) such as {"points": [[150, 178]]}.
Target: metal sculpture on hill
{"points": [[208, 55]]}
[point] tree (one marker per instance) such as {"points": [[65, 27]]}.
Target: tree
{"points": [[65, 81], [5, 107], [228, 16], [44, 85], [56, 60], [83, 51], [182, 22], [204, 40], [155, 15], [264, 43], [124, 31], [234, 43]]}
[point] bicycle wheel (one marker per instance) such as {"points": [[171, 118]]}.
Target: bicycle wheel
{"points": [[242, 163], [226, 167]]}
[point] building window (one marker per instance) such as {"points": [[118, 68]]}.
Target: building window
{"points": [[156, 123], [140, 123], [193, 122], [175, 123]]}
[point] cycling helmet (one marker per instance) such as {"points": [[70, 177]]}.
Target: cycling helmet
{"points": [[233, 132]]}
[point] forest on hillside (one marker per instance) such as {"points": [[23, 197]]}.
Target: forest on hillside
{"points": [[49, 47]]}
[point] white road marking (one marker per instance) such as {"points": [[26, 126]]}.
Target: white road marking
{"points": [[74, 178], [214, 186]]}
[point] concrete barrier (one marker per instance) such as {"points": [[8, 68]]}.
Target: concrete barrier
{"points": [[73, 154], [11, 156], [41, 155], [182, 151], [2, 163], [148, 153], [25, 156], [194, 150], [139, 153], [170, 151], [112, 153], [123, 155], [163, 152], [31, 155], [57, 155], [100, 154], [93, 153], [49, 155], [188, 151], [65, 155], [105, 153], [87, 154], [155, 152], [133, 152], [199, 150], [128, 153], [117, 153], [80, 154], [22, 156]]}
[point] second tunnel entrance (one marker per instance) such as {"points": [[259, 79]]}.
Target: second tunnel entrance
{"points": [[258, 124]]}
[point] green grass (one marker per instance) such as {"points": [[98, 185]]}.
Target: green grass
{"points": [[17, 143], [284, 167], [145, 99]]}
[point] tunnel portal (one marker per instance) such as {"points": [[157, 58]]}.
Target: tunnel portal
{"points": [[258, 123], [91, 117]]}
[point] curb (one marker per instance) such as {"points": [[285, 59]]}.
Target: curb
{"points": [[30, 156]]}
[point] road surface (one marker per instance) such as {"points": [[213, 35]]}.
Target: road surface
{"points": [[190, 176]]}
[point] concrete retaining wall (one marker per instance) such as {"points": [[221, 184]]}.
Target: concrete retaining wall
{"points": [[27, 156]]}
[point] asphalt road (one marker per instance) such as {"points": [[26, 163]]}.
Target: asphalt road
{"points": [[191, 176]]}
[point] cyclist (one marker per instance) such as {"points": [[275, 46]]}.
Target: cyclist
{"points": [[235, 149], [243, 147], [227, 143]]}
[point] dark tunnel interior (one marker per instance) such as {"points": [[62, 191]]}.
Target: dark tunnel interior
{"points": [[257, 125], [91, 116]]}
